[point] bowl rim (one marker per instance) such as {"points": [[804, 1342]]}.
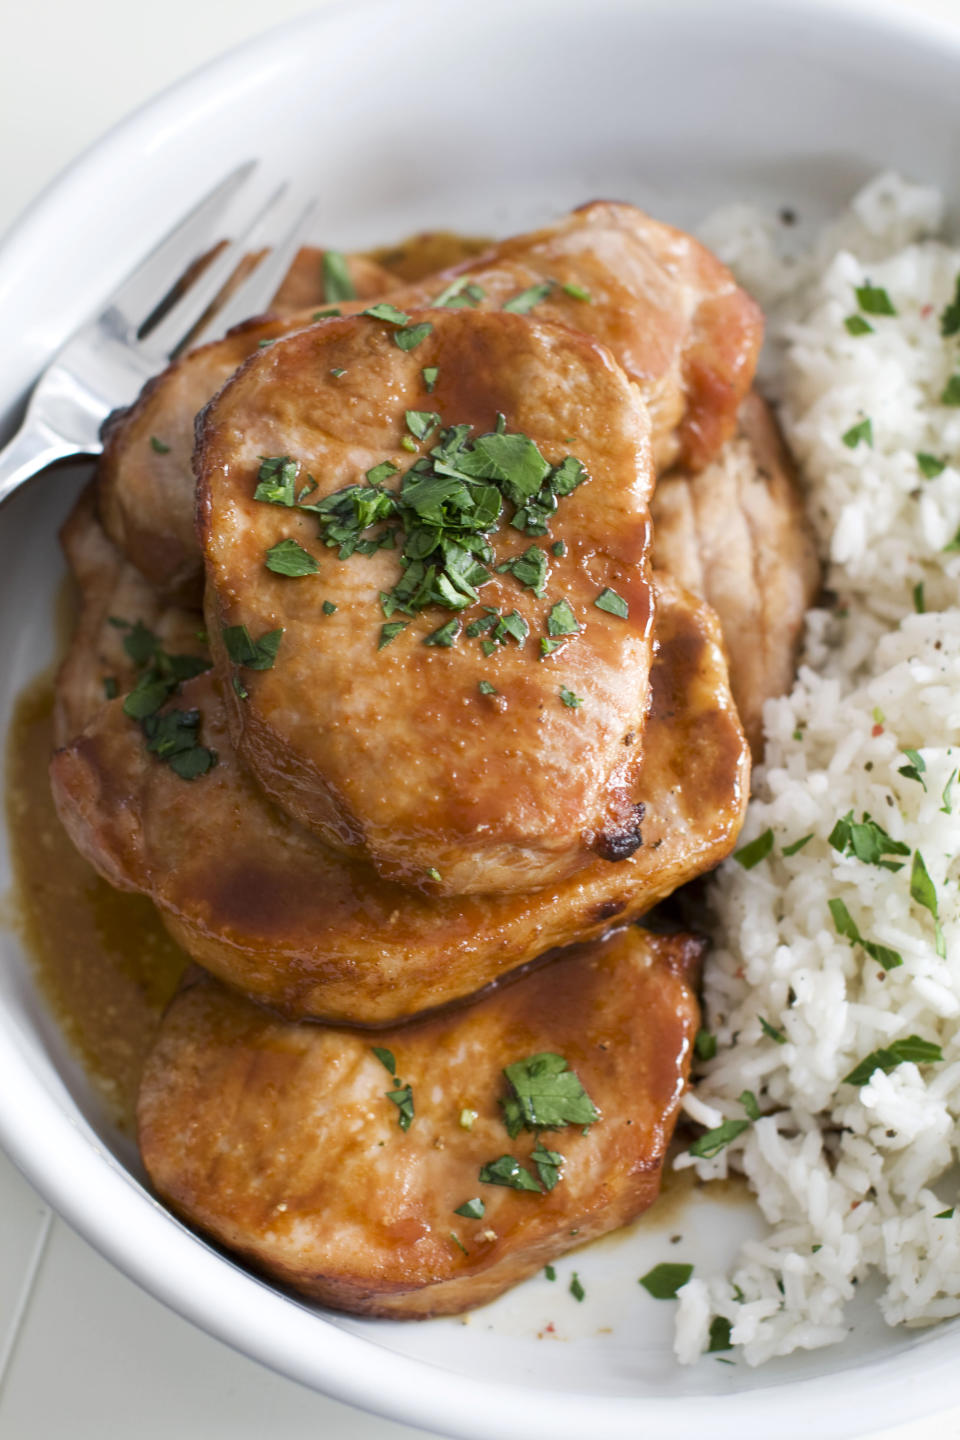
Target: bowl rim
{"points": [[106, 1204]]}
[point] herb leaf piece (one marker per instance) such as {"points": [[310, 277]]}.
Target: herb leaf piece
{"points": [[251, 654], [929, 465], [471, 1209], [421, 422], [530, 569], [720, 1330], [663, 1281], [411, 335], [548, 1163], [921, 1052], [402, 1097], [771, 1031], [916, 769], [874, 300], [751, 855], [576, 1289], [705, 1147], [922, 890], [385, 1057], [705, 1045], [547, 1095], [337, 284], [508, 1171], [856, 325], [951, 392], [277, 478], [950, 315], [569, 699], [390, 632], [561, 620], [158, 447], [384, 311], [523, 303], [862, 431], [288, 557], [797, 845], [612, 603], [847, 927]]}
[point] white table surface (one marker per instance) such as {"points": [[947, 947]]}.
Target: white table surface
{"points": [[84, 1353]]}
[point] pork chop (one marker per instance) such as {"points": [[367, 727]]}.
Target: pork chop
{"points": [[737, 535], [670, 312], [116, 606], [282, 1142], [259, 901], [146, 489], [372, 725]]}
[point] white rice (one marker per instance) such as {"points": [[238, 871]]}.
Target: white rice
{"points": [[851, 1179]]}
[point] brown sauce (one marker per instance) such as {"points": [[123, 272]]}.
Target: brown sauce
{"points": [[103, 961]]}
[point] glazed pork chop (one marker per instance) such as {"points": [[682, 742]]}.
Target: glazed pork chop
{"points": [[282, 1143], [381, 736], [264, 905], [737, 535], [146, 490], [668, 310], [117, 606]]}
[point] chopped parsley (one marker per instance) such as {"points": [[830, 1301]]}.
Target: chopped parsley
{"points": [[531, 569], [923, 891], [430, 374], [919, 603], [921, 1052], [337, 284], [444, 635], [847, 927], [951, 392], [929, 465], [329, 608], [947, 807], [856, 325], [866, 840], [561, 620], [750, 855], [567, 698], [945, 1214], [576, 1289], [390, 631], [863, 431], [720, 1331], [386, 1058], [705, 1045], [458, 293], [559, 547], [612, 603], [548, 1163], [663, 1281], [458, 1242], [385, 311], [549, 1272], [874, 300], [916, 769], [471, 1209], [486, 688], [110, 687], [771, 1031], [325, 314], [421, 422], [577, 292], [288, 557], [172, 737], [402, 1097], [158, 447], [797, 844], [705, 1147], [277, 479], [251, 654], [410, 336], [749, 1102], [508, 1171], [547, 1095], [950, 315], [523, 303]]}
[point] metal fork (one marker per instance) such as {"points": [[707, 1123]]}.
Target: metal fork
{"points": [[105, 363]]}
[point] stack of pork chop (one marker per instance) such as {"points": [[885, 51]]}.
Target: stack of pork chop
{"points": [[440, 726]]}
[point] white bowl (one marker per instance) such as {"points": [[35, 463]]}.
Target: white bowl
{"points": [[483, 118]]}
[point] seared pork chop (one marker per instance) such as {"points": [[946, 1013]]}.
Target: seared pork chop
{"points": [[670, 312], [736, 534], [393, 751], [146, 490], [114, 600], [279, 1139], [264, 905]]}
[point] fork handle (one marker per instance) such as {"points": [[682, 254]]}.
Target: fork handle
{"points": [[33, 447]]}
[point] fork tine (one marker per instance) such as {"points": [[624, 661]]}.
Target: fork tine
{"points": [[163, 339], [259, 287], [138, 293]]}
